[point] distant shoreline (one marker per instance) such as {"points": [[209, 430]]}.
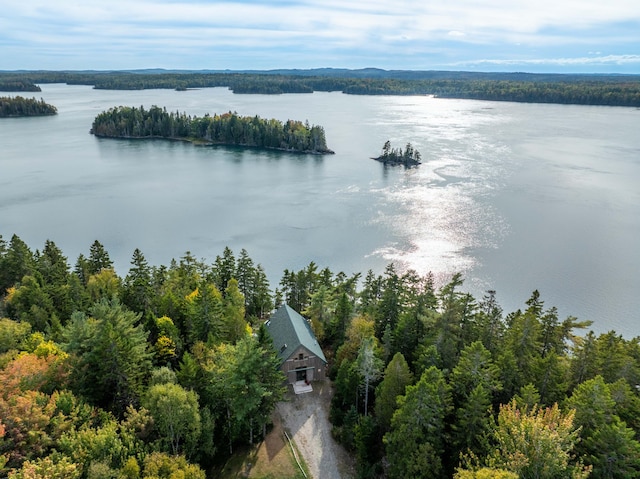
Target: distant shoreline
{"points": [[569, 89]]}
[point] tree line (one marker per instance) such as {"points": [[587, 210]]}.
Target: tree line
{"points": [[226, 129], [167, 370], [611, 90], [10, 83], [20, 106]]}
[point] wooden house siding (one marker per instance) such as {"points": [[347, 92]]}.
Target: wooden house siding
{"points": [[314, 368]]}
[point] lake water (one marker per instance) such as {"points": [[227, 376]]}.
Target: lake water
{"points": [[517, 197]]}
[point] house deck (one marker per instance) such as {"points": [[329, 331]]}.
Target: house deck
{"points": [[301, 387]]}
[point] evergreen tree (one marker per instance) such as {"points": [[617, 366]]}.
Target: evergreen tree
{"points": [[17, 262], [397, 376], [206, 315], [474, 381], [607, 444], [233, 313], [224, 269], [113, 356], [98, 258], [415, 443], [137, 291]]}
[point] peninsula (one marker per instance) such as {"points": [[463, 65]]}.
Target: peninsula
{"points": [[396, 156], [228, 129], [19, 106]]}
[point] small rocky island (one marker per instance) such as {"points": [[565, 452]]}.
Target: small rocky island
{"points": [[19, 106], [228, 129], [397, 156]]}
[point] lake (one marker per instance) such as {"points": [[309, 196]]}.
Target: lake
{"points": [[515, 196]]}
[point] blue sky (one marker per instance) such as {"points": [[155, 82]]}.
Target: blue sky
{"points": [[587, 36]]}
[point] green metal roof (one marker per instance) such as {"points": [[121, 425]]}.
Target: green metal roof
{"points": [[289, 330]]}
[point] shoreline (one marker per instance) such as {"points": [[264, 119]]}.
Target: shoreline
{"points": [[201, 142]]}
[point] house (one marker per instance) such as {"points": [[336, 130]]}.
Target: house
{"points": [[301, 358]]}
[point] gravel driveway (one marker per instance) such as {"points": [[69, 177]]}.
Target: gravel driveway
{"points": [[306, 419]]}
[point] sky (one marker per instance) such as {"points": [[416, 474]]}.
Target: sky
{"points": [[562, 36]]}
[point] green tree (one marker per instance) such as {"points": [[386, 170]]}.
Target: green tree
{"points": [[31, 303], [98, 258], [450, 325], [607, 444], [176, 417], [103, 285], [233, 312], [100, 448], [12, 333], [260, 302], [242, 370], [53, 265], [387, 312], [415, 443], [617, 358], [319, 311], [489, 324], [397, 376], [17, 261], [206, 314], [475, 367], [584, 360], [137, 292], [224, 268], [113, 357], [475, 382]]}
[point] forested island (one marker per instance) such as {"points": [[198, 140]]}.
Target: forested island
{"points": [[167, 372], [612, 90], [397, 156], [19, 106], [226, 129]]}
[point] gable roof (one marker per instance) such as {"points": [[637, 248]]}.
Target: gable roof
{"points": [[289, 331]]}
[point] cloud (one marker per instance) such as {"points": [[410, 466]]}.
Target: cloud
{"points": [[339, 31], [598, 60]]}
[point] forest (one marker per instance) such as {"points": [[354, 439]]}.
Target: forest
{"points": [[18, 106], [226, 129], [140, 376], [17, 84], [611, 90]]}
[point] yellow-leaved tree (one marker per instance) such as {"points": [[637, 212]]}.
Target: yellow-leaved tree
{"points": [[536, 443]]}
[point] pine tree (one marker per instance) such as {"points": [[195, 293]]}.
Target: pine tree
{"points": [[415, 443]]}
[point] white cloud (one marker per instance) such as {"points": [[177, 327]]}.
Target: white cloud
{"points": [[600, 60], [383, 29]]}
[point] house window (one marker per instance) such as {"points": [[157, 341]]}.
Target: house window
{"points": [[300, 356]]}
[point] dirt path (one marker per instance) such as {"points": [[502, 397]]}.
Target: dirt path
{"points": [[306, 419]]}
